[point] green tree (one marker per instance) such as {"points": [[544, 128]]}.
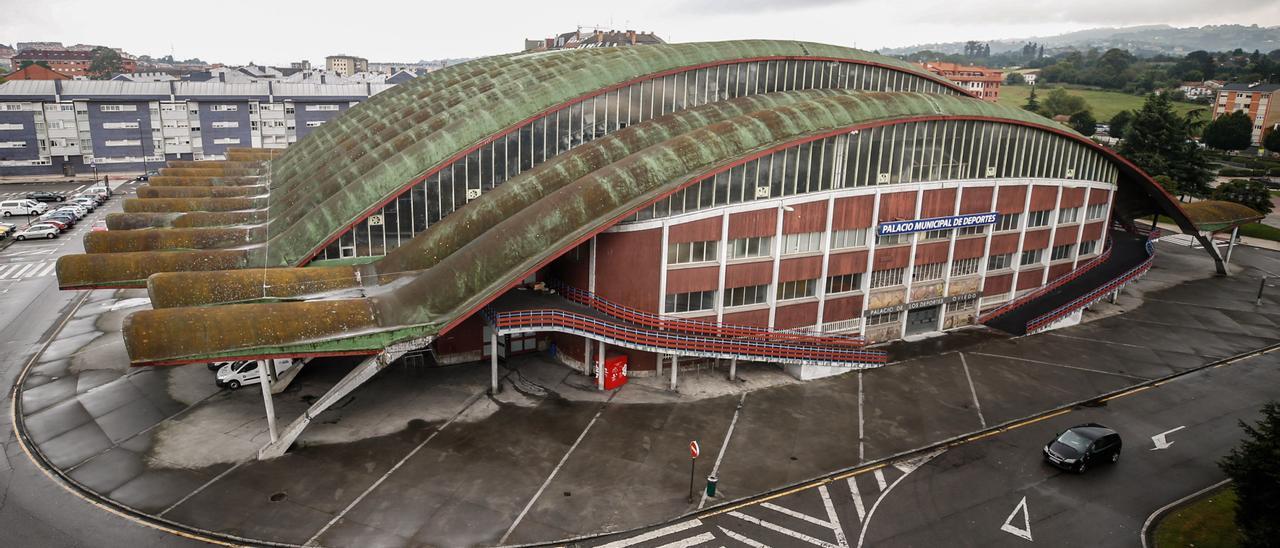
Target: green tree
{"points": [[1271, 141], [1084, 123], [1171, 186], [1255, 470], [1120, 123], [1015, 79], [1033, 104], [1253, 194], [106, 63], [1159, 141], [1061, 102], [1231, 131]]}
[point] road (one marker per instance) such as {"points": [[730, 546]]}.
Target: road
{"points": [[997, 491], [35, 510]]}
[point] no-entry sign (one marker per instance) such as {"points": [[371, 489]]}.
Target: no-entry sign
{"points": [[694, 450]]}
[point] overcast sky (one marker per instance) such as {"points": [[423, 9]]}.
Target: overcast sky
{"points": [[280, 31]]}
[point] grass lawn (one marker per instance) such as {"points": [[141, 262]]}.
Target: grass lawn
{"points": [[1205, 523], [1104, 104], [1259, 230]]}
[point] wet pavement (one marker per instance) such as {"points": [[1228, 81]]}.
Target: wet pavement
{"points": [[424, 457]]}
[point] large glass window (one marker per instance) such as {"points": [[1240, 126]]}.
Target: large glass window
{"points": [[692, 252], [854, 237], [692, 301], [797, 289], [844, 283], [742, 296], [807, 242], [744, 248], [887, 278]]}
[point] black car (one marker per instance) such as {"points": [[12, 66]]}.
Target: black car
{"points": [[1082, 446], [45, 197]]}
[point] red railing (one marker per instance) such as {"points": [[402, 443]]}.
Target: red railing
{"points": [[1098, 293], [673, 341], [1056, 283], [625, 313]]}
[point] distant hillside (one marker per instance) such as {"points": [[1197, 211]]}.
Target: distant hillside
{"points": [[1141, 40]]}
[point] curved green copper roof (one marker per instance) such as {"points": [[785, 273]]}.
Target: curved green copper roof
{"points": [[540, 213]]}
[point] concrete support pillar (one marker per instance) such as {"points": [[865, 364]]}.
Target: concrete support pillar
{"points": [[675, 370], [586, 357], [266, 398], [659, 360], [733, 368], [1231, 244], [600, 371], [493, 363]]}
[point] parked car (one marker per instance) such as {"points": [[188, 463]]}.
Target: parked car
{"points": [[233, 375], [37, 231], [87, 202], [22, 207], [12, 227], [97, 196], [43, 196], [80, 211], [59, 225], [64, 217], [1082, 446], [98, 226], [4, 232]]}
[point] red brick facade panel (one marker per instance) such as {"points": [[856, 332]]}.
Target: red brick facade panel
{"points": [[1092, 231], [968, 248], [1028, 279], [1043, 197], [976, 200], [804, 268], [853, 212], [1036, 239], [1057, 270], [468, 336], [1072, 197], [1004, 243], [618, 279], [761, 222], [932, 253], [1011, 199], [1065, 235], [758, 318], [938, 203], [791, 316], [997, 285], [843, 308], [808, 217], [745, 274], [897, 206], [847, 263], [685, 280], [694, 231], [1099, 196], [894, 257]]}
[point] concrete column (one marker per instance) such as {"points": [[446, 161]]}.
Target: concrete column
{"points": [[493, 362], [586, 357], [266, 398], [675, 369], [659, 361], [1231, 244], [733, 368], [600, 361]]}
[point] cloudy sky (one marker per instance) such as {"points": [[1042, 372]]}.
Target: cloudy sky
{"points": [[279, 31]]}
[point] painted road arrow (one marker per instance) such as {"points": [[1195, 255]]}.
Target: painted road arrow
{"points": [[1023, 532], [1160, 442]]}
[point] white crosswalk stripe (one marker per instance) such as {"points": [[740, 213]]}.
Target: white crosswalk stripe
{"points": [[14, 271]]}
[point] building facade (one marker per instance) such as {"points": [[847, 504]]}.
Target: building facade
{"points": [[1255, 100], [71, 127], [66, 61], [346, 65], [982, 82]]}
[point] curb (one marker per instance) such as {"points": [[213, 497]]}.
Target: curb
{"points": [[1158, 516], [194, 533]]}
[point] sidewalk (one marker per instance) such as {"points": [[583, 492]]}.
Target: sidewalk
{"points": [[424, 457], [1171, 229], [116, 178]]}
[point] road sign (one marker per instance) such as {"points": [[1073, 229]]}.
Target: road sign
{"points": [[694, 450]]}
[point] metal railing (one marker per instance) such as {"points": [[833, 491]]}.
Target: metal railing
{"points": [[676, 342], [1056, 283], [595, 302], [1097, 294]]}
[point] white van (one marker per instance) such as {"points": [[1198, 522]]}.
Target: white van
{"points": [[233, 375], [22, 207]]}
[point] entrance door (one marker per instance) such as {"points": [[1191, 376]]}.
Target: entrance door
{"points": [[923, 320]]}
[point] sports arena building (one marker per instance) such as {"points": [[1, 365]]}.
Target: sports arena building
{"points": [[754, 201]]}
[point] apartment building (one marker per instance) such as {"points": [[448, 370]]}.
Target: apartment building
{"points": [[1257, 100], [982, 82], [346, 65]]}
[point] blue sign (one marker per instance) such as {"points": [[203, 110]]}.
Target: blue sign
{"points": [[938, 223]]}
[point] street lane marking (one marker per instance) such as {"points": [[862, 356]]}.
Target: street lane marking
{"points": [[972, 391], [879, 474], [1159, 439], [201, 488], [556, 470], [1052, 334], [691, 541], [783, 530], [916, 464], [15, 273], [743, 539], [798, 515], [857, 499], [1126, 375], [715, 469], [833, 517], [1023, 532], [656, 533]]}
